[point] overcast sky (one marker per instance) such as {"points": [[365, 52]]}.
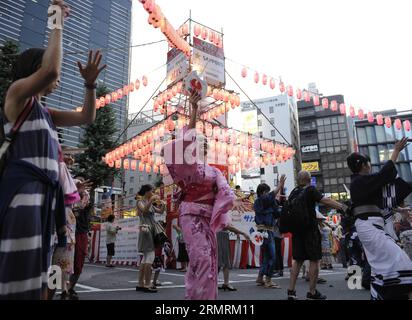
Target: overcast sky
{"points": [[359, 48]]}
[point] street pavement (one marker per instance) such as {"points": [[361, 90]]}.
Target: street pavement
{"points": [[100, 283]]}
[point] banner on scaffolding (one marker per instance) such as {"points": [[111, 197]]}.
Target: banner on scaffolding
{"points": [[177, 66], [209, 61]]}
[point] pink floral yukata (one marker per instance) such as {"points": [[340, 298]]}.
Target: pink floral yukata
{"points": [[205, 199]]}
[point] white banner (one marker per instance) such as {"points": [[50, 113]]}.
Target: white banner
{"points": [[177, 66], [209, 61], [126, 242], [244, 222]]}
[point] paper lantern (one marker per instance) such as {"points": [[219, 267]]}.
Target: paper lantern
{"points": [[118, 164], [244, 72], [204, 33], [290, 91], [352, 112], [126, 164], [342, 109], [407, 125], [316, 101], [131, 87], [298, 94], [256, 77], [137, 84], [334, 105], [371, 118], [141, 166], [379, 120], [148, 168], [133, 165], [306, 96], [114, 96], [126, 90], [185, 29], [361, 114], [272, 83], [325, 103], [388, 122], [264, 79], [144, 81], [281, 86], [398, 124], [197, 30], [212, 36]]}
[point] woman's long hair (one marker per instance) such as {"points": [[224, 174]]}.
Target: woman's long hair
{"points": [[27, 63]]}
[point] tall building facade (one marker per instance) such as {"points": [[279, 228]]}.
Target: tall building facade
{"points": [[93, 24], [281, 112], [378, 143], [325, 145]]}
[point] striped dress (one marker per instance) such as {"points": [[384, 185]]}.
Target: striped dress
{"points": [[24, 259]]}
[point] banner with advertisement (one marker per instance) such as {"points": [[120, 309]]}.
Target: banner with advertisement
{"points": [[177, 66], [209, 61], [311, 166]]}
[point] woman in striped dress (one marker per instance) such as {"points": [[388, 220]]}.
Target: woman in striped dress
{"points": [[31, 198]]}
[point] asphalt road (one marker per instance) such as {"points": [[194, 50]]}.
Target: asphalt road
{"points": [[100, 283]]}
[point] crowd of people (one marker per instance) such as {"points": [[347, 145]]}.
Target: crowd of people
{"points": [[37, 187]]}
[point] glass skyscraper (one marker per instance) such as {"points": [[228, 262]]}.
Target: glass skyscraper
{"points": [[93, 24]]}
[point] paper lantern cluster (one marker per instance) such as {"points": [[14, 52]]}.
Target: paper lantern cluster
{"points": [[236, 149], [158, 20], [120, 93], [207, 34]]}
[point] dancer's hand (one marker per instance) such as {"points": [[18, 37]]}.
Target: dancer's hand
{"points": [[92, 69], [282, 180], [238, 206], [194, 99], [401, 144]]}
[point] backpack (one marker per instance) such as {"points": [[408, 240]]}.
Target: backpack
{"points": [[295, 214]]}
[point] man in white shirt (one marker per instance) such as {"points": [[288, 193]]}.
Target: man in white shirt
{"points": [[111, 233]]}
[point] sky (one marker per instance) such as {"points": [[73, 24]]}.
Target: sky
{"points": [[359, 48]]}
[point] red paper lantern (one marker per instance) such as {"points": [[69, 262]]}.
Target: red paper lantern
{"points": [[342, 109], [141, 166], [133, 165], [306, 95], [204, 33], [398, 124], [264, 79], [298, 94], [272, 83], [388, 122], [281, 86], [119, 94], [197, 30], [290, 91], [244, 72], [334, 105], [137, 84], [212, 36], [352, 112], [325, 103], [118, 164], [144, 81], [131, 86], [126, 164], [361, 114], [256, 77], [371, 118], [316, 101], [407, 125]]}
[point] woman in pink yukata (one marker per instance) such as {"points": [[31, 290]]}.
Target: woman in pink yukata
{"points": [[205, 201]]}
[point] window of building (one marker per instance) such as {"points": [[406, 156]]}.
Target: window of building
{"points": [[335, 134], [343, 142], [333, 181], [383, 153], [262, 171], [342, 127], [390, 133], [261, 134], [339, 165], [271, 110], [328, 128], [321, 129], [322, 143], [334, 120], [131, 191], [347, 180], [329, 143], [130, 203], [319, 122], [341, 180], [149, 177], [338, 149], [373, 154], [273, 133], [370, 134], [405, 172], [380, 134], [321, 136], [336, 142], [272, 120], [259, 123], [141, 178], [131, 180], [341, 119], [326, 121], [326, 182], [332, 165], [323, 150], [361, 134], [275, 170], [344, 148], [325, 166], [330, 149], [328, 135], [343, 134]]}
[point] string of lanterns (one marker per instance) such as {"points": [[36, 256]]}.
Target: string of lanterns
{"points": [[327, 103], [237, 148], [158, 20]]}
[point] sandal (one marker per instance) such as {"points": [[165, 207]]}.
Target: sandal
{"points": [[271, 285]]}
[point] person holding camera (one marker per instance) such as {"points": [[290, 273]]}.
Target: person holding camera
{"points": [[147, 206], [112, 231]]}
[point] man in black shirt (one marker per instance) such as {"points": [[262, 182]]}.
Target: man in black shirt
{"points": [[306, 245]]}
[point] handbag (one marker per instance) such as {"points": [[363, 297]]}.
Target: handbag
{"points": [[7, 139], [159, 235]]}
